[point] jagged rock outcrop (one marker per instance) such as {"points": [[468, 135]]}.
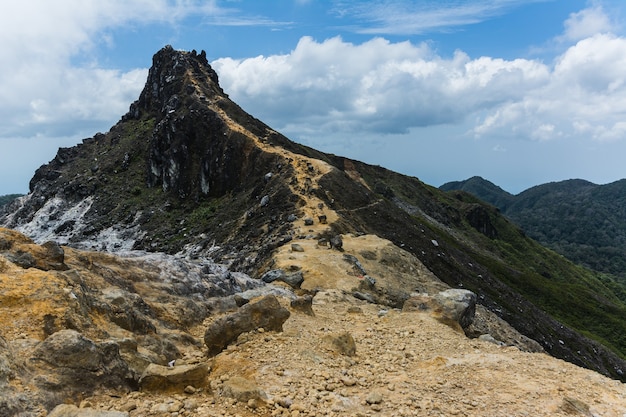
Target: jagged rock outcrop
{"points": [[183, 152]]}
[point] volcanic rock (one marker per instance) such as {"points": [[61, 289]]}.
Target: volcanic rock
{"points": [[266, 313], [173, 378]]}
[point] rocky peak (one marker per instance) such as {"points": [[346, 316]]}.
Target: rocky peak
{"points": [[174, 74]]}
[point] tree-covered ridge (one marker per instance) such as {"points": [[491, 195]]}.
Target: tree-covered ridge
{"points": [[583, 221]]}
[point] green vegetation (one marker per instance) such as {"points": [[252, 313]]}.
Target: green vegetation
{"points": [[583, 221]]}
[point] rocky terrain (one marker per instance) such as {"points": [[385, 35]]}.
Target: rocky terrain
{"points": [[192, 261], [87, 333]]}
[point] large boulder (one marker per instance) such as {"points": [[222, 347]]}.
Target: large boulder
{"points": [[266, 313], [459, 305], [69, 362]]}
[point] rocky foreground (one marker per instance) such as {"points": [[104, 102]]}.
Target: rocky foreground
{"points": [[92, 334]]}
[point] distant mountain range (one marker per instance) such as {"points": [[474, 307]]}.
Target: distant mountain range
{"points": [[583, 221]]}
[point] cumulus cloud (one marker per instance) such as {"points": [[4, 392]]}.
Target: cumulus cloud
{"points": [[43, 90], [376, 86], [585, 95], [587, 22], [334, 86]]}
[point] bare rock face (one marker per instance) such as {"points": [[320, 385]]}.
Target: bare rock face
{"points": [[266, 313]]}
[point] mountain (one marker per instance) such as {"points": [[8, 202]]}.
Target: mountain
{"points": [[576, 218], [483, 189], [187, 172]]}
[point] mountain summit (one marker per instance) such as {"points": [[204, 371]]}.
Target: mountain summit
{"points": [[186, 171]]}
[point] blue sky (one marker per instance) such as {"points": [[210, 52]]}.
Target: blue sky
{"points": [[519, 92]]}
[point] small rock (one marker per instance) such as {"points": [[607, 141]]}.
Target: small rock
{"points": [[322, 219], [374, 398], [575, 407], [308, 221], [242, 390], [129, 406], [296, 247], [342, 343], [265, 200], [190, 404], [489, 338], [336, 242], [348, 382], [239, 300], [189, 390]]}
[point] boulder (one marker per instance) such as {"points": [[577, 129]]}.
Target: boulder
{"points": [[54, 257], [266, 313], [70, 362], [174, 378], [455, 307], [459, 305], [294, 280], [303, 304]]}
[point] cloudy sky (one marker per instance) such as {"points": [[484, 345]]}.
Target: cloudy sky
{"points": [[520, 92]]}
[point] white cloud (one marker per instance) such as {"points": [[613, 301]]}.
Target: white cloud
{"points": [[322, 88], [375, 86], [587, 22], [42, 90], [403, 17], [584, 97]]}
